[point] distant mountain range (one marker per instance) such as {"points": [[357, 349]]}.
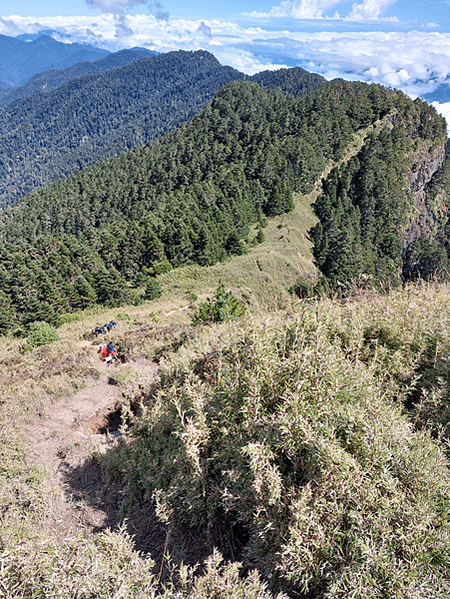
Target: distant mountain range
{"points": [[30, 37], [50, 80], [19, 60]]}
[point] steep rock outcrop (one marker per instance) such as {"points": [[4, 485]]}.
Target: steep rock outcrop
{"points": [[426, 217]]}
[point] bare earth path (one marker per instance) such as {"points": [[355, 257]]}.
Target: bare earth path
{"points": [[66, 442]]}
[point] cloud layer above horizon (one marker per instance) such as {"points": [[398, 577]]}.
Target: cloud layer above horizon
{"points": [[367, 10]]}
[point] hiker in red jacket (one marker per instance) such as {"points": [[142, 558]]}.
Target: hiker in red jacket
{"points": [[107, 353]]}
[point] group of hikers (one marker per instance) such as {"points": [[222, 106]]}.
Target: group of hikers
{"points": [[107, 353], [104, 329]]}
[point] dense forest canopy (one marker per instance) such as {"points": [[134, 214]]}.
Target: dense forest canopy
{"points": [[101, 234], [46, 136], [50, 134]]}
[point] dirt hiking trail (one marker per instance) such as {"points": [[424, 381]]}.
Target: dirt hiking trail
{"points": [[65, 442]]}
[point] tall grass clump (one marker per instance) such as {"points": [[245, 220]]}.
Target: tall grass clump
{"points": [[404, 336], [108, 567], [291, 447]]}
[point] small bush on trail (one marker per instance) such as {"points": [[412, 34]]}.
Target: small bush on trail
{"points": [[41, 333], [68, 317], [123, 316], [152, 289], [225, 307], [259, 236]]}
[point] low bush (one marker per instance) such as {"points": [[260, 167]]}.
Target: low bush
{"points": [[41, 333], [123, 316], [223, 308], [152, 289], [68, 317]]}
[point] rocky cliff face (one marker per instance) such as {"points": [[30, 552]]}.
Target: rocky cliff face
{"points": [[426, 217]]}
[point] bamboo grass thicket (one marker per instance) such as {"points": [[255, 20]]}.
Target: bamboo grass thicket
{"points": [[302, 435], [309, 444]]}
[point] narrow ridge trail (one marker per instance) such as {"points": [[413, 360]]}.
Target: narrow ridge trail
{"points": [[67, 440]]}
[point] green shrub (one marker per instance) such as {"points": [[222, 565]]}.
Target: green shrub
{"points": [[224, 581], [80, 568], [123, 316], [303, 452], [259, 236], [41, 333], [224, 307], [304, 288], [152, 289], [69, 317]]}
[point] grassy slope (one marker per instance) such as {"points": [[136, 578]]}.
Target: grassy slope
{"points": [[263, 275], [357, 359]]}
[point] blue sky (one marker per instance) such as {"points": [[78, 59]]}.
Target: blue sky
{"points": [[399, 43], [407, 13]]}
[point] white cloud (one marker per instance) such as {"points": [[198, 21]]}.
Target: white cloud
{"points": [[312, 9], [118, 9], [204, 30], [9, 27], [369, 10], [299, 9], [444, 110], [283, 10], [115, 7]]}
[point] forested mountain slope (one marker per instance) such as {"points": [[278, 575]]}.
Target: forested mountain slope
{"points": [[19, 60], [102, 234], [50, 80], [380, 211], [46, 136], [427, 252], [295, 81]]}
